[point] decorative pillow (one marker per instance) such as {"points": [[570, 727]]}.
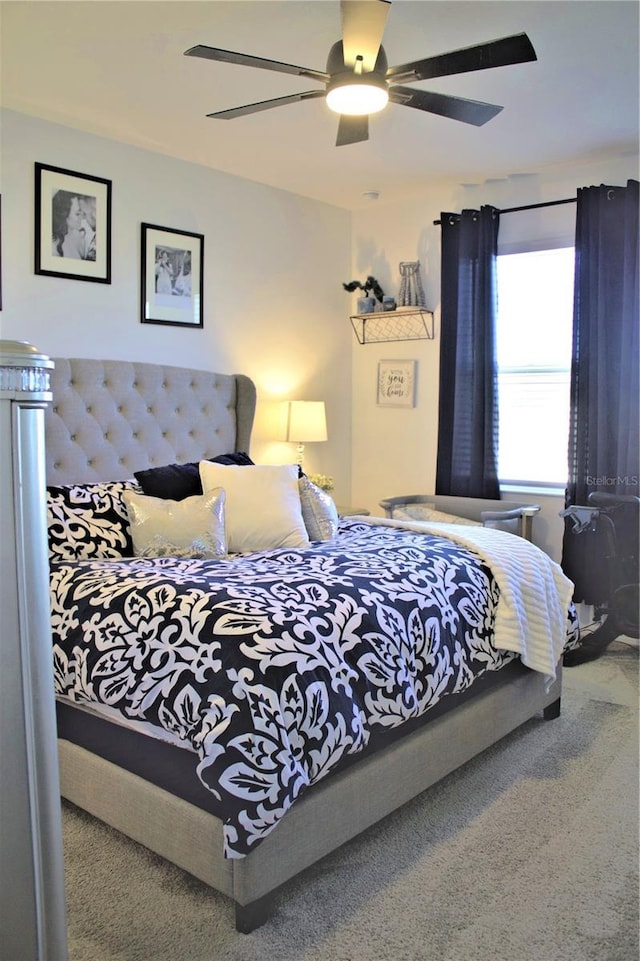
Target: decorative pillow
{"points": [[88, 521], [319, 511], [177, 481], [192, 527], [421, 512], [263, 505]]}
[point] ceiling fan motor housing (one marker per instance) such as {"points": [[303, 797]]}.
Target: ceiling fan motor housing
{"points": [[340, 72], [343, 76]]}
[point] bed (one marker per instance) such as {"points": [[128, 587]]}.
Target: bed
{"points": [[246, 708]]}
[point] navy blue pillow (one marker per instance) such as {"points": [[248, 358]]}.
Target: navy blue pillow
{"points": [[177, 481]]}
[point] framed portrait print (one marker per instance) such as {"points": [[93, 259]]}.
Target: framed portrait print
{"points": [[171, 276], [397, 383], [73, 225]]}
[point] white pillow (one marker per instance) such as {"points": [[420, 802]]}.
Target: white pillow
{"points": [[263, 508], [193, 527], [422, 512], [319, 511]]}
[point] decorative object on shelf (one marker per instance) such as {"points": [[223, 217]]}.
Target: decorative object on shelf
{"points": [[73, 225], [388, 303], [306, 423], [396, 383], [366, 304], [323, 481], [401, 324], [411, 291], [172, 282]]}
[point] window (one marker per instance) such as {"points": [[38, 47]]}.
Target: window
{"points": [[535, 316]]}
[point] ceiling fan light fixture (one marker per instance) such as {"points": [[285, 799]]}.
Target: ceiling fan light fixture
{"points": [[357, 99]]}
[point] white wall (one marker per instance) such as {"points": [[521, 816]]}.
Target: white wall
{"points": [[394, 450], [274, 264]]}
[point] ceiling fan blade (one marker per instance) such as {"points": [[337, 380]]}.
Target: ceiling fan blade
{"points": [[245, 60], [363, 23], [249, 108], [352, 130], [482, 56], [455, 108]]}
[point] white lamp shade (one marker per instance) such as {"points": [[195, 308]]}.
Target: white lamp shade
{"points": [[306, 421]]}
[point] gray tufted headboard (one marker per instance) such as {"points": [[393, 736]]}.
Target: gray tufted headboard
{"points": [[110, 418]]}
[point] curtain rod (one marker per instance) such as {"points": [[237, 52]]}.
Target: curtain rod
{"points": [[512, 210]]}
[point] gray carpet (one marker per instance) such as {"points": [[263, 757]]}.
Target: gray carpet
{"points": [[528, 853]]}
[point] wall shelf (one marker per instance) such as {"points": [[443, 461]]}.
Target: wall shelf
{"points": [[405, 323]]}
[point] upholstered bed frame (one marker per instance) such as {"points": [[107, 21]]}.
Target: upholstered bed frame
{"points": [[110, 418]]}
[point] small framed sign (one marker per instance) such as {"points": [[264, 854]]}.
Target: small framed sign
{"points": [[397, 383], [73, 225], [171, 283]]}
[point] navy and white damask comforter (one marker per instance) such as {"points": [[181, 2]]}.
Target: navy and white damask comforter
{"points": [[275, 667]]}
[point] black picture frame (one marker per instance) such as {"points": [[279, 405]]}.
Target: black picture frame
{"points": [[172, 284], [72, 225]]}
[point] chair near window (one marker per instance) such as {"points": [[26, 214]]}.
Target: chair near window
{"points": [[503, 515]]}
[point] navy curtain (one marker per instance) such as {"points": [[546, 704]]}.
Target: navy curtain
{"points": [[468, 402], [603, 433]]}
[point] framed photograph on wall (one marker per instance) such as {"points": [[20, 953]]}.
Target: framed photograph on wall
{"points": [[73, 225], [171, 276], [397, 383]]}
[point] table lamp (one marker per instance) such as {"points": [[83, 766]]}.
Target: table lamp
{"points": [[306, 423]]}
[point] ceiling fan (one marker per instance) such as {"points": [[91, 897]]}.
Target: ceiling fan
{"points": [[359, 82]]}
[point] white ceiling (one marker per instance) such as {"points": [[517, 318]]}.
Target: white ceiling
{"points": [[117, 69]]}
